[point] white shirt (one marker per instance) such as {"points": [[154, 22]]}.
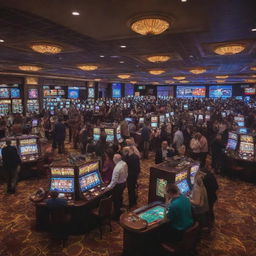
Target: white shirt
{"points": [[120, 174], [178, 139]]}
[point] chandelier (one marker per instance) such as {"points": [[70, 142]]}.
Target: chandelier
{"points": [[253, 68], [87, 67], [184, 81], [169, 82], [46, 48], [156, 72], [220, 81], [179, 77], [229, 49], [197, 71], [222, 77], [133, 82], [29, 68], [149, 25], [158, 58], [124, 76]]}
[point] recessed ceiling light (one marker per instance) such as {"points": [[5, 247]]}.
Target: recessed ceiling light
{"points": [[114, 56], [75, 13], [102, 56], [1, 40], [121, 61], [253, 29], [122, 46], [183, 1]]}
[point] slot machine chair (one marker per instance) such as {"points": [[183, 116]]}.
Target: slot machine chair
{"points": [[187, 246], [104, 213]]}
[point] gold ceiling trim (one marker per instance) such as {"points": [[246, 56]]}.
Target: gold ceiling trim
{"points": [[253, 68], [169, 82], [32, 68]]}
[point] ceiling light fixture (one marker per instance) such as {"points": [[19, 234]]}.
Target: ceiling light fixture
{"points": [[121, 61], [179, 77], [184, 81], [1, 40], [124, 76], [253, 29], [122, 46], [222, 77], [46, 48], [155, 83], [250, 80], [102, 56], [183, 1], [253, 68], [149, 25], [229, 49], [169, 82], [29, 68], [133, 82], [220, 81], [197, 71], [156, 72], [158, 58], [75, 13], [87, 67], [253, 75]]}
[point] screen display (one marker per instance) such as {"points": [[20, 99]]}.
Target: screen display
{"points": [[153, 214], [232, 135], [181, 176], [231, 144], [110, 138], [246, 138], [96, 137], [207, 117], [183, 186], [4, 93], [249, 91], [109, 131], [224, 91], [161, 119], [15, 93], [223, 114], [246, 148], [190, 91], [34, 122], [164, 91], [116, 90], [154, 119], [154, 125], [185, 106], [129, 89], [28, 149], [243, 130], [89, 181], [62, 171], [161, 187], [200, 117], [62, 185], [239, 119], [32, 93], [91, 92], [73, 92], [128, 119], [94, 166], [96, 130], [193, 171], [118, 136], [241, 124], [27, 141]]}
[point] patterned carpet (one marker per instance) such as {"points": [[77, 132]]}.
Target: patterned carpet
{"points": [[234, 233]]}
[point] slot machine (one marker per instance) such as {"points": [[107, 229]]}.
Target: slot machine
{"points": [[34, 125], [246, 147], [232, 141], [63, 181], [141, 120], [110, 135], [154, 121], [90, 182], [96, 134], [181, 180], [118, 134], [17, 106], [29, 148]]}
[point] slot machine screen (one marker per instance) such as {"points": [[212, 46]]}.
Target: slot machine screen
{"points": [[118, 136], [223, 114], [89, 181], [207, 117], [153, 215], [246, 147], [219, 91], [87, 168], [172, 113], [161, 119], [200, 117], [63, 185], [4, 93], [62, 171], [96, 134], [240, 124], [28, 149], [239, 119], [15, 93], [110, 135], [161, 187], [97, 108], [183, 186], [167, 115], [181, 176], [154, 119], [185, 106], [231, 144], [208, 108], [243, 130], [34, 122], [73, 92], [154, 125], [193, 171], [246, 138], [232, 135], [141, 120], [32, 93], [128, 119]]}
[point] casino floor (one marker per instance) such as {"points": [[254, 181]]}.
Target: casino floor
{"points": [[234, 233]]}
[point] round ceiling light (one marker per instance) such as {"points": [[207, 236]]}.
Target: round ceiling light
{"points": [[149, 25], [133, 82], [46, 48], [229, 49], [250, 81], [158, 58], [124, 76], [222, 77], [29, 68], [155, 83], [197, 71], [184, 81], [253, 75], [253, 68], [179, 77], [156, 72], [87, 67]]}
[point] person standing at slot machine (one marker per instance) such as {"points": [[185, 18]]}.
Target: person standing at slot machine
{"points": [[11, 163], [163, 153], [59, 135], [118, 183]]}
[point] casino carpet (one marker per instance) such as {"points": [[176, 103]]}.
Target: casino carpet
{"points": [[234, 233]]}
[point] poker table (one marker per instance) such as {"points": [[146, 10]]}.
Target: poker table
{"points": [[141, 229]]}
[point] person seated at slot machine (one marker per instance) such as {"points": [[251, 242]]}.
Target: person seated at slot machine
{"points": [[163, 153], [56, 202], [118, 183], [179, 212], [108, 166], [11, 162]]}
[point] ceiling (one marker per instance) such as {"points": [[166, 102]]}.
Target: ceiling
{"points": [[102, 27]]}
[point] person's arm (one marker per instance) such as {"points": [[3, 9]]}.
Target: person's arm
{"points": [[114, 178], [171, 213], [196, 198]]}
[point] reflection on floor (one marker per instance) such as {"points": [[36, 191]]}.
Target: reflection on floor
{"points": [[234, 233]]}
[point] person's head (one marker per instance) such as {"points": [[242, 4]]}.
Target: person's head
{"points": [[164, 144], [199, 179], [172, 190], [8, 142], [128, 142], [54, 194], [182, 150], [125, 151], [117, 158]]}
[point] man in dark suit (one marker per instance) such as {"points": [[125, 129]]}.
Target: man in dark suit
{"points": [[163, 153], [59, 135], [11, 162]]}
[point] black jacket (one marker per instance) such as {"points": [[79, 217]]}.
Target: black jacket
{"points": [[133, 162], [10, 156], [211, 186], [59, 132], [159, 157]]}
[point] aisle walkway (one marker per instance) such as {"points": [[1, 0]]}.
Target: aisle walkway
{"points": [[234, 233]]}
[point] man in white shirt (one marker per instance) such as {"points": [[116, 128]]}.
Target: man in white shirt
{"points": [[178, 139], [118, 183]]}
